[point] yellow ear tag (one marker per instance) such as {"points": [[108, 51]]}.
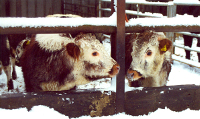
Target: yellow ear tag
{"points": [[164, 48], [28, 42]]}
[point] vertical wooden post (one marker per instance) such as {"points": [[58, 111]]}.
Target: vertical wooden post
{"points": [[120, 57], [171, 12]]}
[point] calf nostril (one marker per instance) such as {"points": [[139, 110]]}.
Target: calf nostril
{"points": [[132, 74], [117, 67]]}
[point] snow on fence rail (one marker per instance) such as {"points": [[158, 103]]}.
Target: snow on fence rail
{"points": [[48, 25]]}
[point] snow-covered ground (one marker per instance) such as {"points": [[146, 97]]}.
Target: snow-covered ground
{"points": [[46, 112], [181, 74]]}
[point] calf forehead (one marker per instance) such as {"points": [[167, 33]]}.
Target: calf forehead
{"points": [[145, 40]]}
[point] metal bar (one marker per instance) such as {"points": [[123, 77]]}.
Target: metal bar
{"points": [[189, 34], [188, 4], [99, 8], [106, 9], [138, 10], [120, 45], [171, 12], [187, 48], [131, 12], [142, 2], [186, 61]]}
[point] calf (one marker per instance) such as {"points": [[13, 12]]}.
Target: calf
{"points": [[148, 59], [5, 59], [55, 62], [7, 55]]}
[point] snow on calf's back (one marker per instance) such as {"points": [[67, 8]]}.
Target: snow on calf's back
{"points": [[54, 62]]}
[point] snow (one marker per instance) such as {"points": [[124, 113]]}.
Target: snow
{"points": [[6, 22], [186, 1], [110, 21], [41, 111], [176, 21]]}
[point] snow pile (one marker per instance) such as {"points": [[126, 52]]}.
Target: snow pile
{"points": [[46, 112], [36, 112]]}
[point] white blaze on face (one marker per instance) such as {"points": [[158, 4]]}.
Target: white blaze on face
{"points": [[97, 61], [146, 56]]}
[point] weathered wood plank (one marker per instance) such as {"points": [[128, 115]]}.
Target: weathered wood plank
{"points": [[176, 98], [70, 103], [94, 103]]}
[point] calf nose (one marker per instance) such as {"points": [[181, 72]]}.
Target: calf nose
{"points": [[133, 75], [115, 70]]}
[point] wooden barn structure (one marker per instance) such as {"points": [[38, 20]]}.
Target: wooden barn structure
{"points": [[92, 102]]}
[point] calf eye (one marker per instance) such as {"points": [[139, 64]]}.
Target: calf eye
{"points": [[95, 54], [149, 53]]}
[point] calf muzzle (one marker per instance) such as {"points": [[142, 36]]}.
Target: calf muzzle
{"points": [[133, 75], [115, 70]]}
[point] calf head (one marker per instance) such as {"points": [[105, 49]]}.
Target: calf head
{"points": [[93, 62], [147, 53]]}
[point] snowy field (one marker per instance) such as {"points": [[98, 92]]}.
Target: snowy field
{"points": [[181, 74]]}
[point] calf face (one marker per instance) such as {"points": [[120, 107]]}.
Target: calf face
{"points": [[54, 62], [148, 59], [94, 62]]}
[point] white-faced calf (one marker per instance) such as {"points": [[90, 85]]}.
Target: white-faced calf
{"points": [[55, 62], [148, 59]]}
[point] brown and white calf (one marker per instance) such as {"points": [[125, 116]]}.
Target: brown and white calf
{"points": [[55, 62], [148, 59]]}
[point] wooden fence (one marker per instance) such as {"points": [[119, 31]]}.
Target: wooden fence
{"points": [[96, 103]]}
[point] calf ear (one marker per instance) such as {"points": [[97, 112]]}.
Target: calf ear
{"points": [[73, 50], [26, 43], [164, 45]]}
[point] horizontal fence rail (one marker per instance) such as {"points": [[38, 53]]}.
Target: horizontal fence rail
{"points": [[63, 25]]}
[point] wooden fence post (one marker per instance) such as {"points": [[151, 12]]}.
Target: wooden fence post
{"points": [[171, 12], [120, 57]]}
